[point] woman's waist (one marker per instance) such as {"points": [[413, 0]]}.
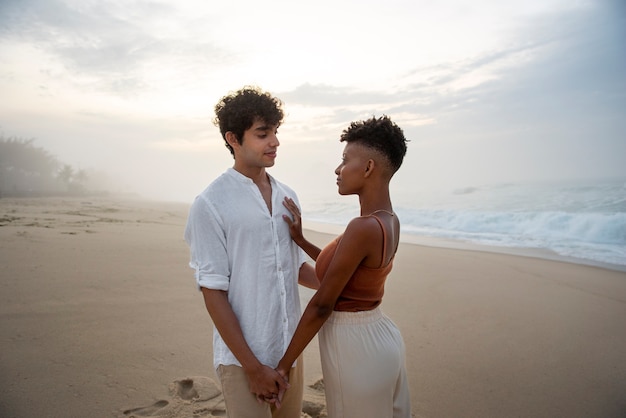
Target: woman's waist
{"points": [[356, 317]]}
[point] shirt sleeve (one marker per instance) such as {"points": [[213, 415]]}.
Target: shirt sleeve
{"points": [[205, 236]]}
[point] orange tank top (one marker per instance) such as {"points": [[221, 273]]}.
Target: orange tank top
{"points": [[364, 290]]}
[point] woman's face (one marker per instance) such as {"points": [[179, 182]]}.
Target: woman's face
{"points": [[351, 172]]}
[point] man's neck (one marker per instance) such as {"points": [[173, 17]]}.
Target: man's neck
{"points": [[261, 180], [257, 174]]}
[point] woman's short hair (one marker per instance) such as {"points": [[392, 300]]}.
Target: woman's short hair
{"points": [[380, 134]]}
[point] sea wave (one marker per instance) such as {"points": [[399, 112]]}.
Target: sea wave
{"points": [[585, 220], [593, 236]]}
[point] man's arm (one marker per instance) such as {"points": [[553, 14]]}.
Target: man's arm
{"points": [[307, 277], [264, 381]]}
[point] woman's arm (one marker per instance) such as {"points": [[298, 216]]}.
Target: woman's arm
{"points": [[354, 247]]}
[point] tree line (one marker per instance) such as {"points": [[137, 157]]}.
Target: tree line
{"points": [[28, 170]]}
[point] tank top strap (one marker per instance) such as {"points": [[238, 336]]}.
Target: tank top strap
{"points": [[384, 252]]}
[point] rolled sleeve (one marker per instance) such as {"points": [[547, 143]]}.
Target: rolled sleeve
{"points": [[303, 257], [211, 281], [207, 244]]}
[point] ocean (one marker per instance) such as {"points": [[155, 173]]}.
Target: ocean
{"points": [[583, 220]]}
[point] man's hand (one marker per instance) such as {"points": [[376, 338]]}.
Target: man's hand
{"points": [[267, 384]]}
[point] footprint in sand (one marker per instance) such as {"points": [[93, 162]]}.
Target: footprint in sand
{"points": [[147, 411], [195, 388], [209, 412], [185, 390]]}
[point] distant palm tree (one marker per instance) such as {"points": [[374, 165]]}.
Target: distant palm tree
{"points": [[81, 177], [66, 175], [24, 167]]}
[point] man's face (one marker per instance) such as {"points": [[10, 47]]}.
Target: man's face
{"points": [[258, 146]]}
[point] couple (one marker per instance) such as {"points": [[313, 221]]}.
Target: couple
{"points": [[245, 235]]}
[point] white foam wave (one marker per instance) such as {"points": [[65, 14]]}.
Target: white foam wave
{"points": [[594, 236], [583, 220]]}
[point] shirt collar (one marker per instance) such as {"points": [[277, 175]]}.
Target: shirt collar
{"points": [[244, 179]]}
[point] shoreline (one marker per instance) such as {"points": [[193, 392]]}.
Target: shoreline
{"points": [[428, 241], [336, 229]]}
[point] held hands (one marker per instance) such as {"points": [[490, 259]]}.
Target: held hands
{"points": [[281, 393], [295, 223], [268, 385], [284, 373]]}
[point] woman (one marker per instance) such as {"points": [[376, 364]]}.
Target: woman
{"points": [[362, 351]]}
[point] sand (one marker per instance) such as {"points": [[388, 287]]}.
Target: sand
{"points": [[100, 317]]}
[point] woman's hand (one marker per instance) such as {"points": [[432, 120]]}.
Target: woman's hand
{"points": [[295, 230], [267, 385], [281, 393], [283, 372], [295, 222], [276, 398]]}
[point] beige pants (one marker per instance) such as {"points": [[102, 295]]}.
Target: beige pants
{"points": [[363, 361], [241, 403]]}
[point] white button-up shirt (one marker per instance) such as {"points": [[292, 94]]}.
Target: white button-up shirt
{"points": [[238, 246]]}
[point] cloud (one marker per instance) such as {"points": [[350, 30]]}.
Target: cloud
{"points": [[121, 48], [484, 90], [559, 86]]}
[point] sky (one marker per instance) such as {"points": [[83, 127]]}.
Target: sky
{"points": [[486, 91]]}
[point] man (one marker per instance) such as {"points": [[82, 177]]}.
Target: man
{"points": [[246, 264]]}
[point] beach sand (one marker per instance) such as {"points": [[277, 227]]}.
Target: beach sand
{"points": [[100, 317]]}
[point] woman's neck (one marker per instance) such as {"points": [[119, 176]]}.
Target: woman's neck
{"points": [[381, 203]]}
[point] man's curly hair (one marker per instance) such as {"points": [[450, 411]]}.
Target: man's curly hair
{"points": [[237, 111], [380, 134]]}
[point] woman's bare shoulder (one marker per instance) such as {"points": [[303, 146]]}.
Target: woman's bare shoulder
{"points": [[362, 227]]}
